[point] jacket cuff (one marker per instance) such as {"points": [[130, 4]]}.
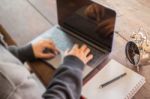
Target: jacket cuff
{"points": [[73, 61], [26, 53]]}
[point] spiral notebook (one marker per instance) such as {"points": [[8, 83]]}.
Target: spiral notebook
{"points": [[123, 88]]}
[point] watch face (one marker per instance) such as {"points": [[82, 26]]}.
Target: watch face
{"points": [[132, 53]]}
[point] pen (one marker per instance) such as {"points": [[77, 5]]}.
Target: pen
{"points": [[112, 80]]}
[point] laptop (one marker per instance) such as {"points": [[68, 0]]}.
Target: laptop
{"points": [[82, 22]]}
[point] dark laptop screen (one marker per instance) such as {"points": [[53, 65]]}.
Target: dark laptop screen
{"points": [[88, 19]]}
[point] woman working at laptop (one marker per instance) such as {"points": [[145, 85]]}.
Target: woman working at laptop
{"points": [[17, 83]]}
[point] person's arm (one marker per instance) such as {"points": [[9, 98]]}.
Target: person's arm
{"points": [[24, 53], [33, 51], [67, 80]]}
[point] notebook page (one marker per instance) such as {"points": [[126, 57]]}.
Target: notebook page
{"points": [[123, 88]]}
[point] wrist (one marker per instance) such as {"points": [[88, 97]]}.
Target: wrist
{"points": [[26, 52], [73, 61]]}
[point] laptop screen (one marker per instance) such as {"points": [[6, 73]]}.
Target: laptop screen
{"points": [[89, 20]]}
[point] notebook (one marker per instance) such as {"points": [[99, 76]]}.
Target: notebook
{"points": [[123, 88]]}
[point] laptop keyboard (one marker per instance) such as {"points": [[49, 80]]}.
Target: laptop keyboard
{"points": [[97, 55], [64, 42]]}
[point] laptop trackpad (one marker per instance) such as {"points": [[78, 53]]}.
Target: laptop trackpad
{"points": [[56, 61]]}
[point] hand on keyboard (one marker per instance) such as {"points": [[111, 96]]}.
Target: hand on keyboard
{"points": [[83, 53]]}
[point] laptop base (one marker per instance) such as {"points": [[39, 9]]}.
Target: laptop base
{"points": [[64, 41]]}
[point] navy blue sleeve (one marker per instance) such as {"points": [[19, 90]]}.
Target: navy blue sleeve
{"points": [[67, 80], [24, 53]]}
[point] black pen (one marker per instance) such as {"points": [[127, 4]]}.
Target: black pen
{"points": [[112, 80]]}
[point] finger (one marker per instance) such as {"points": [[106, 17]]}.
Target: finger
{"points": [[87, 51], [67, 51], [75, 46], [83, 47], [52, 47], [90, 57], [47, 55], [57, 50], [48, 42]]}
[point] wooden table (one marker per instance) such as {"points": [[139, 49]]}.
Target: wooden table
{"points": [[122, 27], [41, 15], [45, 71]]}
